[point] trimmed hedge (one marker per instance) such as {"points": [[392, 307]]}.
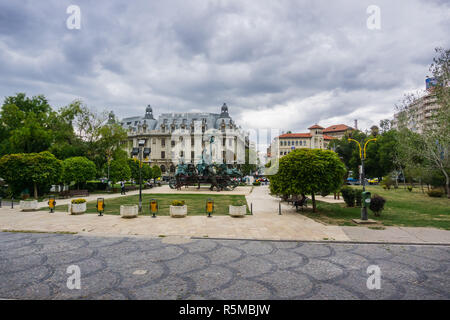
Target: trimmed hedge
{"points": [[349, 196], [435, 193]]}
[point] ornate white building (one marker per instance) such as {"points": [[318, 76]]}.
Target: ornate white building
{"points": [[186, 137]]}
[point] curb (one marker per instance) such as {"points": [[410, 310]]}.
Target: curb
{"points": [[330, 241]]}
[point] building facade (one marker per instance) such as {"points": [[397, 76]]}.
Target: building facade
{"points": [[338, 131], [418, 115], [285, 143], [186, 137]]}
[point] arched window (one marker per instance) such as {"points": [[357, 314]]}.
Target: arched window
{"points": [[163, 168], [172, 169]]}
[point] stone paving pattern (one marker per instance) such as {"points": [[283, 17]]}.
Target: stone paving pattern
{"points": [[33, 266]]}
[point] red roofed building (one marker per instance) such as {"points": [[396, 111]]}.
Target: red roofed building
{"points": [[285, 143], [337, 131]]}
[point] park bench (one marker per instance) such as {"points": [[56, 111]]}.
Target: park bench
{"points": [[303, 202]]}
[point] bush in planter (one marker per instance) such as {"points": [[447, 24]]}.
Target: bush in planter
{"points": [[377, 204], [78, 201], [257, 183], [349, 196], [435, 193], [238, 203], [178, 203]]}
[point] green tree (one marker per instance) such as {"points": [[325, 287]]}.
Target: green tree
{"points": [[119, 171], [78, 170], [30, 170], [431, 147], [25, 124], [147, 172], [308, 171], [156, 172], [134, 168]]}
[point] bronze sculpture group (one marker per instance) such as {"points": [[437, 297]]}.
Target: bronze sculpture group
{"points": [[218, 175]]}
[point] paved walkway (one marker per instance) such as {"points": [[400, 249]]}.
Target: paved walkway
{"points": [[264, 224], [34, 266]]}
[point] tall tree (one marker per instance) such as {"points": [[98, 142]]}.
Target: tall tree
{"points": [[431, 147], [35, 171], [308, 171], [78, 170], [25, 124]]}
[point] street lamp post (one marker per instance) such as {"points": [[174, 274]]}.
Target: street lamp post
{"points": [[138, 152], [362, 155]]}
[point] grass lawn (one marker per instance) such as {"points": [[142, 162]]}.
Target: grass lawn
{"points": [[402, 208], [196, 203]]}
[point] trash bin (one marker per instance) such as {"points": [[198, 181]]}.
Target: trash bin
{"points": [[366, 198]]}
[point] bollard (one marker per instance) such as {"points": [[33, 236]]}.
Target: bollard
{"points": [[279, 208], [251, 208], [52, 203], [0, 202], [153, 207], [100, 206], [209, 207], [12, 202]]}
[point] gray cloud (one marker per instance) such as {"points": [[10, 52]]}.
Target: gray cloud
{"points": [[283, 64]]}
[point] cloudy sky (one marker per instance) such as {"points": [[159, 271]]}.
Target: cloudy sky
{"points": [[277, 64]]}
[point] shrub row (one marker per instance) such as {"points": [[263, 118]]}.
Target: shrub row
{"points": [[352, 196]]}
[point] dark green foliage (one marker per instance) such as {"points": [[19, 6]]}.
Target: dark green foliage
{"points": [[436, 193], [78, 170], [156, 172], [32, 171], [349, 196], [358, 197], [377, 204], [119, 171], [308, 171]]}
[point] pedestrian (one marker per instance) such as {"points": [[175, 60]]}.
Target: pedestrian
{"points": [[122, 187]]}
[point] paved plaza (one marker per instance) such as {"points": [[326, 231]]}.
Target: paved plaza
{"points": [[264, 224], [34, 266]]}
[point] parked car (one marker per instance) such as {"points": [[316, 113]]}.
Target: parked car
{"points": [[373, 181]]}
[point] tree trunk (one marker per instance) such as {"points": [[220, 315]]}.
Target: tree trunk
{"points": [[421, 185], [313, 199], [35, 191], [447, 184]]}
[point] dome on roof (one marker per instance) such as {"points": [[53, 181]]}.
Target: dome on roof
{"points": [[148, 112], [224, 111]]}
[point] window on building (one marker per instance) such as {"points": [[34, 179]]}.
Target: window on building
{"points": [[163, 142], [181, 154], [163, 154], [163, 168], [192, 154], [192, 141], [172, 143], [281, 153]]}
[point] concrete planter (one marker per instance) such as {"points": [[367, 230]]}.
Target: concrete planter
{"points": [[28, 205], [178, 211], [237, 211], [129, 211], [77, 208]]}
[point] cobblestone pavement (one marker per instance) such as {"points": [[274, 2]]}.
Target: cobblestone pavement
{"points": [[34, 266]]}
